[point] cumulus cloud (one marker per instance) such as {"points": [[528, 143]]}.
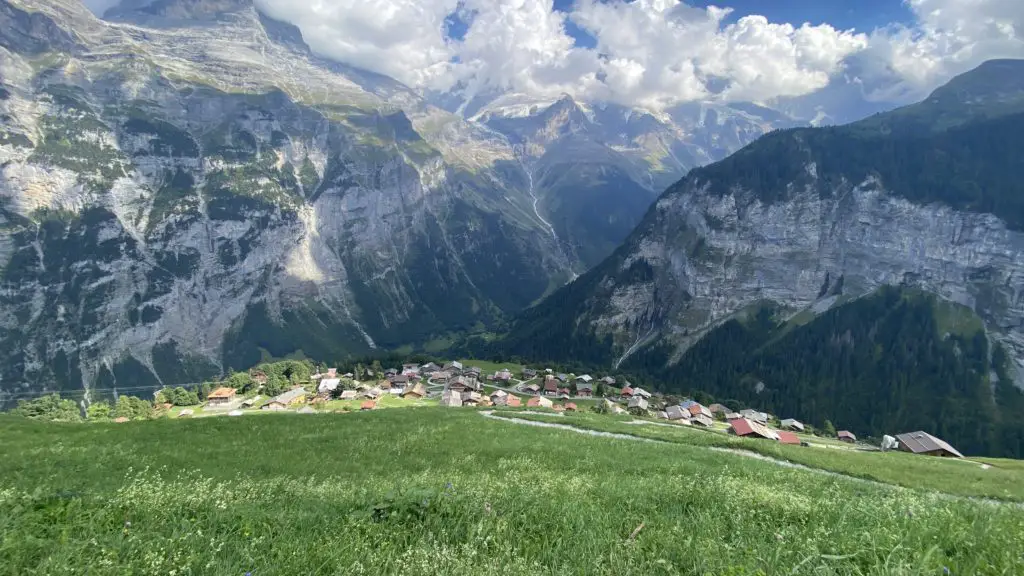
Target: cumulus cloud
{"points": [[521, 45], [651, 53], [949, 37], [672, 50], [403, 39]]}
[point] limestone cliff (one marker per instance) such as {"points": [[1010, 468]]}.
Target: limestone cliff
{"points": [[926, 196]]}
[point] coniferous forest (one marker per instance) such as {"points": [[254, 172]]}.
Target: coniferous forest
{"points": [[882, 364]]}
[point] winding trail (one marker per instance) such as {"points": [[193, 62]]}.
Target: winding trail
{"points": [[734, 451]]}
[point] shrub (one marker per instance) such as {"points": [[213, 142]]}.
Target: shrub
{"points": [[50, 407]]}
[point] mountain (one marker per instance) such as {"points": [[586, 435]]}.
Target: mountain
{"points": [[595, 168], [808, 220], [186, 189]]}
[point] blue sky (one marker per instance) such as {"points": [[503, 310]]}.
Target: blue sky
{"points": [[654, 64], [864, 15]]}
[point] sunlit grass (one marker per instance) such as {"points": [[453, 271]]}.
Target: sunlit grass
{"points": [[436, 491], [1002, 481]]}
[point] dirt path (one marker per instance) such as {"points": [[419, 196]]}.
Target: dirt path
{"points": [[744, 453]]}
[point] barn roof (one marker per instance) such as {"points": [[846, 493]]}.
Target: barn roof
{"points": [[222, 392], [744, 427], [921, 442], [788, 437]]}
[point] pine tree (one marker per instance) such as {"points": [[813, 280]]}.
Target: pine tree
{"points": [[828, 429]]}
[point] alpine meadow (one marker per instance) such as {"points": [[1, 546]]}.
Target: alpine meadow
{"points": [[511, 287]]}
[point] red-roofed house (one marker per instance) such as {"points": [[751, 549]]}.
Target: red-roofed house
{"points": [[368, 405], [570, 407], [221, 396], [846, 436], [627, 391], [551, 388], [750, 429], [788, 438], [538, 402], [513, 401], [699, 410]]}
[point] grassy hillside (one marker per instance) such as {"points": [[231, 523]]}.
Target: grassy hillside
{"points": [[1004, 480], [435, 491], [896, 361]]}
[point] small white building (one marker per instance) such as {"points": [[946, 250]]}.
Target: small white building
{"points": [[328, 385]]}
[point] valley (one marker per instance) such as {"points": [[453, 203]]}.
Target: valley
{"points": [[873, 266], [532, 287], [186, 188]]}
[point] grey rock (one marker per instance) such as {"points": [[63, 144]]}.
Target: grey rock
{"points": [[714, 256]]}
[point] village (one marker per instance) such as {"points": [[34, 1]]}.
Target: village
{"points": [[457, 384]]}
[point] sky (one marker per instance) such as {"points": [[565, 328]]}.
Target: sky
{"points": [[659, 53]]}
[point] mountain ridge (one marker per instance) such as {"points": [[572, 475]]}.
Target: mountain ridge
{"points": [[168, 198], [196, 190], [805, 220]]}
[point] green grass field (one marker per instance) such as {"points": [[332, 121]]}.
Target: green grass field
{"points": [[436, 491], [489, 368], [1003, 481]]}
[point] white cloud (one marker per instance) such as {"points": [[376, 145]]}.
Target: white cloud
{"points": [[521, 45], [948, 38], [403, 39], [679, 47], [652, 53]]}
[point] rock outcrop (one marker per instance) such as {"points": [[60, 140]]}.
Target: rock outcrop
{"points": [[924, 196]]}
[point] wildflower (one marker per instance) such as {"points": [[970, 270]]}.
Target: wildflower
{"points": [[778, 537]]}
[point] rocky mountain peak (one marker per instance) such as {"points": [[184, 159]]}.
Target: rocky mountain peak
{"points": [[32, 32], [566, 116], [199, 13], [176, 12]]}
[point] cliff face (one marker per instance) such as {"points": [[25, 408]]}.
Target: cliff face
{"points": [[807, 219], [177, 201], [185, 187], [713, 256]]}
